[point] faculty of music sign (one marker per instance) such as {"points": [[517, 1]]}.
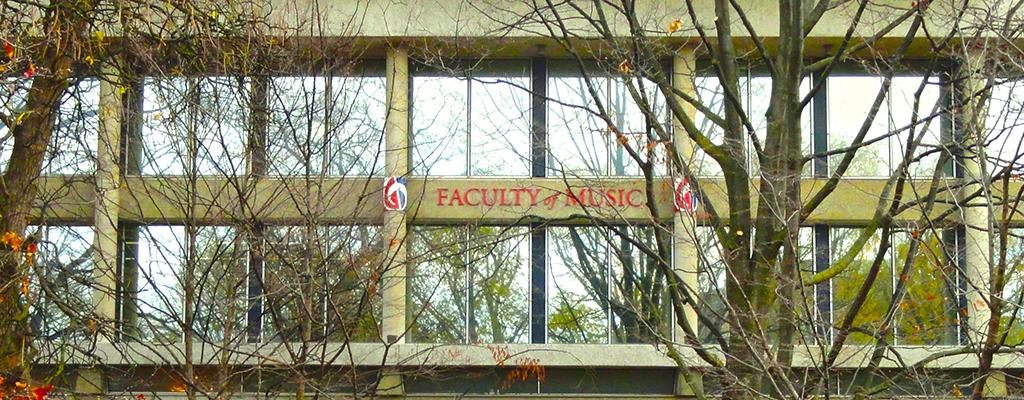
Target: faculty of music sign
{"points": [[532, 197]]}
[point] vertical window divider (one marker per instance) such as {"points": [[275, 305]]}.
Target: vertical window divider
{"points": [[469, 124], [538, 283], [823, 291], [538, 116]]}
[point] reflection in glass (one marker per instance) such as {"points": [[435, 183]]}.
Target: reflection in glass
{"points": [[711, 279], [1013, 291], [317, 283], [849, 103], [297, 126], [581, 142], [65, 288], [72, 146], [847, 284], [640, 308], [500, 126], [578, 287], [1004, 126], [439, 125], [927, 313], [356, 113], [577, 138], [902, 98], [438, 285], [500, 291], [221, 269], [161, 260]]}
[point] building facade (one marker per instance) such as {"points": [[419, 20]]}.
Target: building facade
{"points": [[240, 234]]}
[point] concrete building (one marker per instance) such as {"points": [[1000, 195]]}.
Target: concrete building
{"points": [[232, 229]]}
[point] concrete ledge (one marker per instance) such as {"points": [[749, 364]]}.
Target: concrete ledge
{"points": [[549, 355]]}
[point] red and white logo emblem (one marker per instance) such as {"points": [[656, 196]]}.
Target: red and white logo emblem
{"points": [[396, 196], [685, 200]]}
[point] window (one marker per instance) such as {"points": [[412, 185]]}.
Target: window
{"points": [[849, 103], [1004, 127], [327, 125], [581, 143], [75, 132], [161, 266], [928, 312], [1013, 291], [194, 126], [65, 285], [755, 94], [205, 265], [713, 276], [847, 284], [470, 285], [73, 141], [603, 288], [317, 283], [477, 124]]}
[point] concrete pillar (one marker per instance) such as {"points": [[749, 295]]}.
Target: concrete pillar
{"points": [[108, 177], [396, 160], [977, 215], [684, 245]]}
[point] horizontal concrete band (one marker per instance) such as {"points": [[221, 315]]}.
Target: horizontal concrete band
{"points": [[359, 200], [549, 355]]}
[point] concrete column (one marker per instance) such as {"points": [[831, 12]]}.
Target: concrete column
{"points": [[108, 177], [684, 255], [977, 215], [396, 160], [684, 245]]}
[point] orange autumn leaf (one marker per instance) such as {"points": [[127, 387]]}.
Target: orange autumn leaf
{"points": [[675, 25], [41, 392], [625, 67]]}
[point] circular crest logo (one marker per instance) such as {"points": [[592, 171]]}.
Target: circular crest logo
{"points": [[685, 200], [396, 196]]}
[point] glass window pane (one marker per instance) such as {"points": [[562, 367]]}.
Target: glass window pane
{"points": [[438, 285], [577, 138], [756, 92], [221, 281], [903, 95], [65, 261], [849, 102], [578, 286], [628, 115], [846, 285], [640, 308], [73, 145], [500, 260], [12, 100], [161, 261], [1013, 291], [297, 126], [167, 119], [1004, 126], [357, 111], [712, 96], [352, 258], [927, 313], [288, 301], [439, 125], [711, 275], [500, 132], [223, 113], [317, 283]]}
